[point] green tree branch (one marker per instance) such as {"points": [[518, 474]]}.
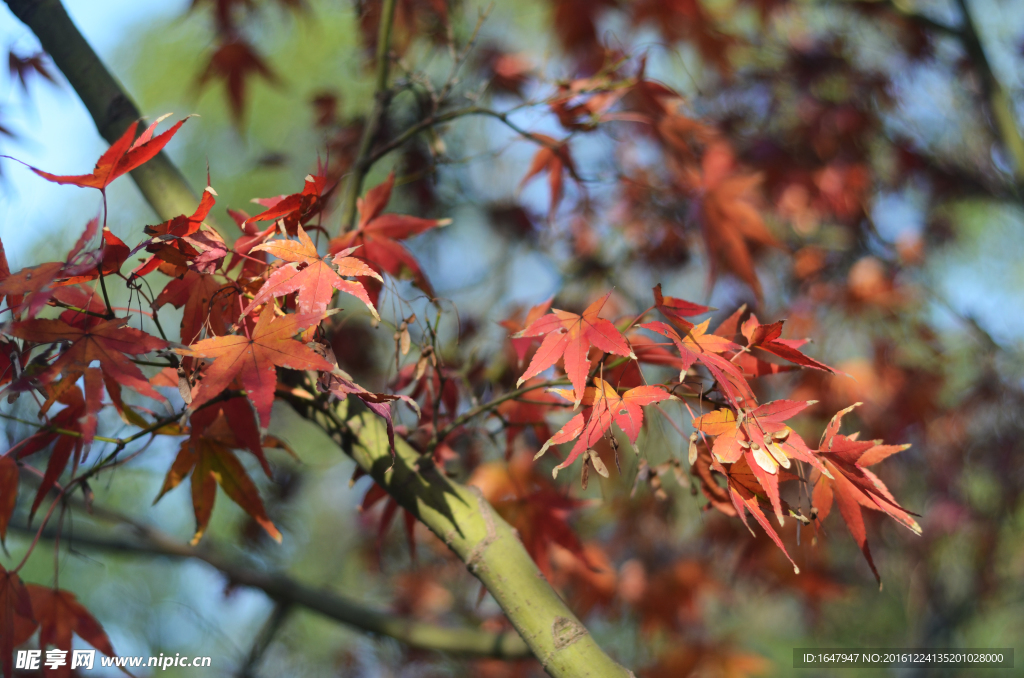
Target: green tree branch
{"points": [[490, 547], [288, 592]]}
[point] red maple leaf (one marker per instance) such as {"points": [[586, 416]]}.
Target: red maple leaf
{"points": [[553, 158], [513, 324], [603, 405], [677, 310], [122, 157], [724, 206], [698, 345], [207, 302], [767, 338], [570, 336], [107, 341], [252, 359], [744, 488], [170, 240], [77, 417], [846, 480], [295, 209], [312, 276], [235, 61], [59, 614], [208, 457], [16, 621], [377, 235]]}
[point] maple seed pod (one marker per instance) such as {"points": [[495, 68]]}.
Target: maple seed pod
{"points": [[782, 435], [692, 453], [778, 454], [764, 460], [184, 387], [598, 464]]}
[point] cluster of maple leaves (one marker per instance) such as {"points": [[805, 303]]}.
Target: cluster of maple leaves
{"points": [[264, 302], [243, 307], [256, 306]]}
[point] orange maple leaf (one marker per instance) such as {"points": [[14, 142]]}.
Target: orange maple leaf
{"points": [[732, 226], [122, 157], [570, 336], [312, 276], [603, 405], [253, 359]]}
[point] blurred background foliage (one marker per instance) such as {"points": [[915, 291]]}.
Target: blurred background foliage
{"points": [[903, 229]]}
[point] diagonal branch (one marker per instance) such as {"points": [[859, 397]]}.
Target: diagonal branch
{"points": [[998, 100], [162, 185], [289, 593], [490, 547]]}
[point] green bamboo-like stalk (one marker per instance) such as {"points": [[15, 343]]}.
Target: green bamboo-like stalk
{"points": [[490, 547]]}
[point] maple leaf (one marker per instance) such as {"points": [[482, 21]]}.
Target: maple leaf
{"points": [[28, 290], [846, 480], [208, 457], [78, 416], [766, 337], [677, 310], [760, 436], [170, 240], [297, 208], [522, 344], [724, 207], [744, 485], [697, 345], [15, 609], [253, 359], [207, 303], [107, 342], [22, 68], [553, 158], [105, 260], [235, 61], [377, 235], [569, 336], [59, 614], [603, 405], [312, 276], [9, 479], [122, 157]]}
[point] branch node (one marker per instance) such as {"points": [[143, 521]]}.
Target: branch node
{"points": [[566, 631]]}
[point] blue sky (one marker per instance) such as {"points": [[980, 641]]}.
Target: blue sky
{"points": [[55, 132]]}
